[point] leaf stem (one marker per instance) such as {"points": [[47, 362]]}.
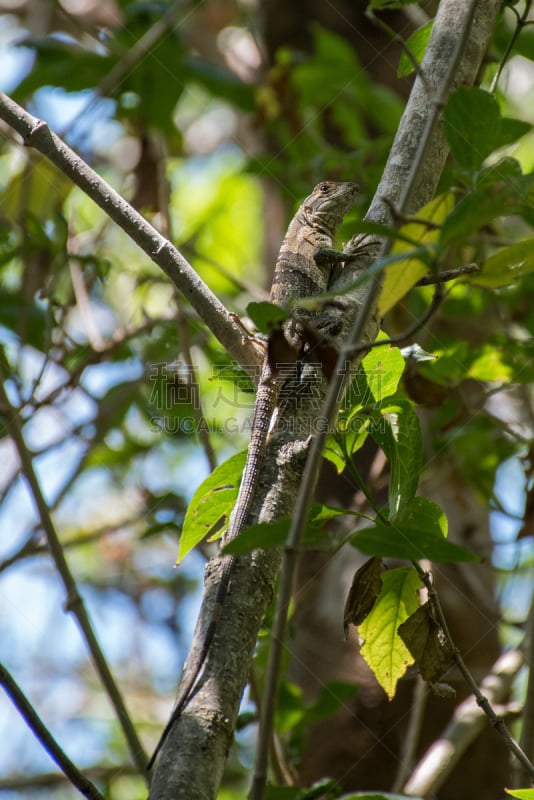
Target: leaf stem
{"points": [[482, 701]]}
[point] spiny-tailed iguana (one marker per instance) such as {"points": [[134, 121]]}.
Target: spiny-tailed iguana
{"points": [[303, 269]]}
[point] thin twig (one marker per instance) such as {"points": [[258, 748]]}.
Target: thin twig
{"points": [[410, 332], [33, 547], [411, 740], [527, 729], [183, 328], [74, 602], [396, 37], [219, 320], [24, 784], [448, 275], [521, 23], [482, 701], [35, 723], [468, 721]]}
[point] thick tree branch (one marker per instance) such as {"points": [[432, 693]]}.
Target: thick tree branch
{"points": [[223, 324], [409, 181]]}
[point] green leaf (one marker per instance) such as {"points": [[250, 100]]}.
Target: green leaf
{"points": [[490, 365], [399, 436], [18, 314], [427, 642], [512, 130], [376, 379], [262, 535], [212, 501], [266, 316], [506, 266], [39, 191], [376, 796], [424, 513], [383, 649], [418, 533], [500, 190], [416, 43], [402, 276], [365, 588], [522, 794], [332, 696], [61, 63], [274, 534], [472, 123], [383, 367], [348, 439], [524, 44]]}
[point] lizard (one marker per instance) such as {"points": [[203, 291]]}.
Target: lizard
{"points": [[302, 270]]}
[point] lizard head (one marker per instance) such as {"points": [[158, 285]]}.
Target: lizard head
{"points": [[330, 201]]}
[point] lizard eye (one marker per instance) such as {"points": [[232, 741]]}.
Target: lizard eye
{"points": [[324, 188]]}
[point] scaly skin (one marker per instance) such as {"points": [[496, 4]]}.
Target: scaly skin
{"points": [[302, 270]]}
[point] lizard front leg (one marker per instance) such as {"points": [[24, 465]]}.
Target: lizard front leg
{"points": [[323, 256]]}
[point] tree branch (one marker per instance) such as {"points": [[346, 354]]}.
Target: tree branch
{"points": [[44, 736], [409, 181], [74, 601], [448, 275], [468, 721], [526, 740], [222, 323], [192, 759]]}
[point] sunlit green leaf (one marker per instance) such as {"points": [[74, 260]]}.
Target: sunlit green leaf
{"points": [[402, 276], [383, 649], [489, 365], [383, 369]]}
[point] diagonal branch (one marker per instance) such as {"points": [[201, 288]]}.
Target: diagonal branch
{"points": [[74, 601], [468, 721], [33, 720], [221, 322]]}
